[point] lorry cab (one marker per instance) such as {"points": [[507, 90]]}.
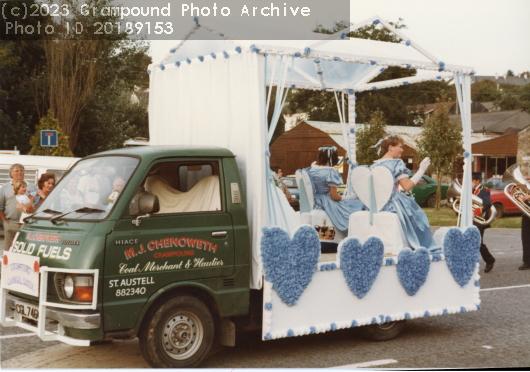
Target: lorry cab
{"points": [[130, 230]]}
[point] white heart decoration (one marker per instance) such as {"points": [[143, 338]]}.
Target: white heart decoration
{"points": [[383, 185]]}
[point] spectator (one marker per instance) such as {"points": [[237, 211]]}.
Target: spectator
{"points": [[277, 180], [10, 210], [45, 183]]}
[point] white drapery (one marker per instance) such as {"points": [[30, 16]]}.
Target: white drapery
{"points": [[463, 90], [218, 104]]}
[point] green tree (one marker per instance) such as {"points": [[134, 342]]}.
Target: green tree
{"points": [[441, 141], [368, 136], [48, 122], [484, 91], [510, 73]]}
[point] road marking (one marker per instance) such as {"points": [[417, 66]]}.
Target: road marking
{"points": [[487, 347], [19, 335], [367, 364], [515, 286]]}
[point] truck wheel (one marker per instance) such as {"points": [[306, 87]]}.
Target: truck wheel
{"points": [[385, 331], [431, 201], [178, 335], [500, 210]]}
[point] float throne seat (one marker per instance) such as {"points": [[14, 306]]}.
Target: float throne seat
{"points": [[386, 227]]}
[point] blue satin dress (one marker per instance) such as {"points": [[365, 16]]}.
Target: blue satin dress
{"points": [[339, 212], [413, 219]]}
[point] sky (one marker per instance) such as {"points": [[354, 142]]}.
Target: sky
{"points": [[490, 35]]}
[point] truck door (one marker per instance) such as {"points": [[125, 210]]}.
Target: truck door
{"points": [[190, 238]]}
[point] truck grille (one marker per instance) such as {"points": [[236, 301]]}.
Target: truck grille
{"points": [[228, 282]]}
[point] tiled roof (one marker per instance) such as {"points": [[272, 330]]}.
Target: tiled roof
{"points": [[497, 122], [514, 80]]}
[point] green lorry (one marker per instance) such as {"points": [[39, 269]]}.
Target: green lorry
{"points": [[122, 262]]}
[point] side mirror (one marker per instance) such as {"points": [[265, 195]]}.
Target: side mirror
{"points": [[148, 204]]}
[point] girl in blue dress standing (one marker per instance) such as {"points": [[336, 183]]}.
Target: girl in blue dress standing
{"points": [[413, 219], [326, 179]]}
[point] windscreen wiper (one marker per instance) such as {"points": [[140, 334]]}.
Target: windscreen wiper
{"points": [[80, 210], [49, 211]]}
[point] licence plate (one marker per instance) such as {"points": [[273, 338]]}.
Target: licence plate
{"points": [[27, 310]]}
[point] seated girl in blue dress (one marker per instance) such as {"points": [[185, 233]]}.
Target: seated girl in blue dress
{"points": [[326, 179], [413, 219]]}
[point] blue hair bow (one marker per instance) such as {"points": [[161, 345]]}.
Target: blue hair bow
{"points": [[381, 141], [330, 151]]}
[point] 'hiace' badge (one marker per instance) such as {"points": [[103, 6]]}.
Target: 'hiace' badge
{"points": [[236, 196]]}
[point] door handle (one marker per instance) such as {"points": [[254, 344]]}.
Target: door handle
{"points": [[219, 234]]}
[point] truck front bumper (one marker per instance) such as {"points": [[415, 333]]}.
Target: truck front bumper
{"points": [[67, 318]]}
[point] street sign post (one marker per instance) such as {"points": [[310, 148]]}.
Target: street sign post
{"points": [[48, 138]]}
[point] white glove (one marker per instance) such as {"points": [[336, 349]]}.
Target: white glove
{"points": [[353, 196], [423, 167], [425, 164]]}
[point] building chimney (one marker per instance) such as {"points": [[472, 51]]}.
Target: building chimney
{"points": [[496, 76]]}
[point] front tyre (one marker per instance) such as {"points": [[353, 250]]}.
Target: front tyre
{"points": [[385, 331], [179, 334]]}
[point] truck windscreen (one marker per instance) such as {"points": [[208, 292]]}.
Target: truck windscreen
{"points": [[94, 184]]}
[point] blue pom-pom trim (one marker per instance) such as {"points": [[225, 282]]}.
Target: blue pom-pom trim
{"points": [[293, 86], [343, 36], [307, 50], [374, 321], [188, 60], [408, 66], [177, 63], [312, 330], [172, 50], [444, 312], [439, 77], [267, 153], [254, 48], [382, 317], [407, 316], [374, 88], [389, 261], [238, 49], [225, 54], [149, 72], [466, 154], [405, 83], [162, 67], [268, 306], [426, 314], [336, 59], [350, 91], [436, 257], [201, 58], [441, 64], [471, 130], [388, 319], [381, 69], [213, 55], [477, 284], [355, 98], [373, 62], [355, 116], [316, 61], [320, 72], [328, 267], [376, 22], [441, 69], [473, 72], [333, 327], [407, 43], [478, 307], [352, 131], [290, 333], [267, 336], [354, 323], [462, 309], [196, 20], [297, 54]]}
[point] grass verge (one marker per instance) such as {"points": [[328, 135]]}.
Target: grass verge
{"points": [[446, 217]]}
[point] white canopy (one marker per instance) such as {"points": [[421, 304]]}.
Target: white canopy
{"points": [[212, 91]]}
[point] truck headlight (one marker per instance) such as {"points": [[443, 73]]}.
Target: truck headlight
{"points": [[68, 286]]}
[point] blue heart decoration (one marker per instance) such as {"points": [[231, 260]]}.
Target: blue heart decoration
{"points": [[462, 252], [360, 264], [290, 264], [413, 268]]}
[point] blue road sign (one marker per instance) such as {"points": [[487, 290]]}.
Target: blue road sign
{"points": [[48, 138]]}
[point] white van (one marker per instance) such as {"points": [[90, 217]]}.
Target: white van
{"points": [[35, 166]]}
